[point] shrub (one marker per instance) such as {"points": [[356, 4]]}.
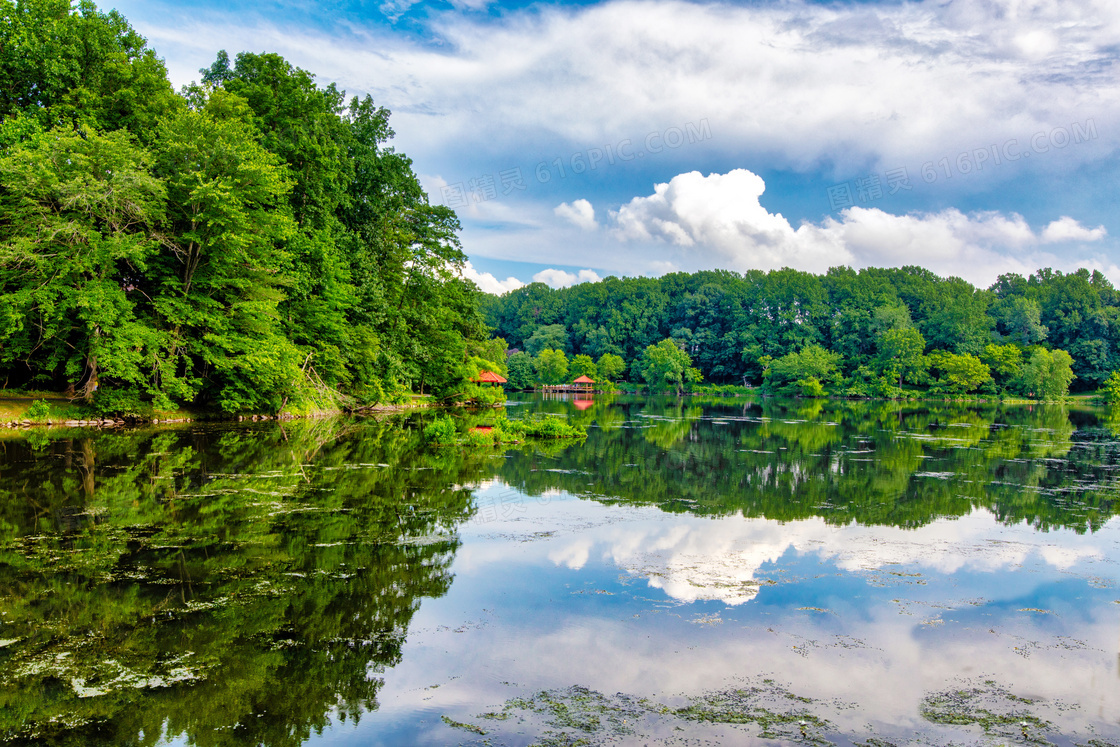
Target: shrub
{"points": [[810, 387], [440, 431], [479, 438], [123, 403], [38, 412], [1111, 389]]}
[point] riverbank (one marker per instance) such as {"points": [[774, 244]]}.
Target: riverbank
{"points": [[52, 410]]}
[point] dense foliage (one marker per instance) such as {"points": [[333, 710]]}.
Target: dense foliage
{"points": [[251, 243], [873, 332]]}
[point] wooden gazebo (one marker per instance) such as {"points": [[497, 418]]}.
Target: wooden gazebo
{"points": [[584, 384], [489, 377]]}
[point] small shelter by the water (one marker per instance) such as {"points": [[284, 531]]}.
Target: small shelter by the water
{"points": [[489, 377], [584, 384]]}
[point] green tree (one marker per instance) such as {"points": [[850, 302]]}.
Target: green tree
{"points": [[550, 337], [1021, 319], [1111, 389], [220, 286], [79, 231], [303, 125], [610, 366], [68, 65], [254, 243], [955, 316], [492, 351], [959, 373], [792, 372], [522, 374], [1047, 374], [665, 366], [551, 366], [1005, 361], [890, 318], [901, 355], [583, 365]]}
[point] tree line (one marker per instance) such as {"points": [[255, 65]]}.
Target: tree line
{"points": [[872, 332], [251, 242]]}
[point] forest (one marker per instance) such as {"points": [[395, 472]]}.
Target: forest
{"points": [[876, 332], [253, 243], [249, 243]]}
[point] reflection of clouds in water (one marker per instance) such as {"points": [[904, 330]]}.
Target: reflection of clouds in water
{"points": [[881, 664], [574, 554], [700, 559]]}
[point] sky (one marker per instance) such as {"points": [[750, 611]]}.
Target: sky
{"points": [[639, 137]]}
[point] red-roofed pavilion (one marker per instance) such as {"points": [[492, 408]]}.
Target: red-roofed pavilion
{"points": [[585, 384], [489, 377]]}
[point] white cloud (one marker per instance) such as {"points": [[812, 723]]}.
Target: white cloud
{"points": [[1067, 229], [561, 279], [720, 213], [488, 283], [580, 213], [394, 9], [717, 220]]}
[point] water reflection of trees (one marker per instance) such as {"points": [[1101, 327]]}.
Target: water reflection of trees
{"points": [[234, 586], [871, 462], [247, 585]]}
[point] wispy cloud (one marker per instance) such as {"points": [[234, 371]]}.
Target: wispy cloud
{"points": [[796, 83]]}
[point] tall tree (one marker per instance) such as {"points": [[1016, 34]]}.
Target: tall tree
{"points": [[552, 366], [665, 366], [220, 285], [79, 226], [71, 66]]}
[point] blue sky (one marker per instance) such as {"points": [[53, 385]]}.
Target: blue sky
{"points": [[637, 137]]}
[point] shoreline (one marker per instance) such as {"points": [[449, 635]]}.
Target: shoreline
{"points": [[18, 421]]}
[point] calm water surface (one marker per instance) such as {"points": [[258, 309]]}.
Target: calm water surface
{"points": [[698, 571]]}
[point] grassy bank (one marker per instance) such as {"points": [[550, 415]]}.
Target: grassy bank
{"points": [[36, 408]]}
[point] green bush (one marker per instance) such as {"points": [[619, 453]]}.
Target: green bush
{"points": [[478, 438], [38, 412], [547, 426], [810, 387], [441, 431], [121, 403], [1111, 389]]}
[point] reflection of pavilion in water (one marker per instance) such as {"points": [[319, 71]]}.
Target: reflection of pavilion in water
{"points": [[582, 399], [580, 392]]}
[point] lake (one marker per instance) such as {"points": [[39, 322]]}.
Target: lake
{"points": [[698, 571]]}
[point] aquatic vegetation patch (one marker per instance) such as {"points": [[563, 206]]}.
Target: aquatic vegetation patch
{"points": [[990, 706], [764, 709], [576, 715], [767, 705], [462, 725], [580, 716]]}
